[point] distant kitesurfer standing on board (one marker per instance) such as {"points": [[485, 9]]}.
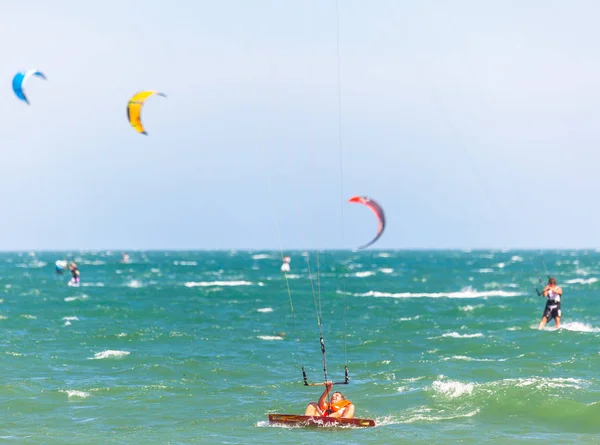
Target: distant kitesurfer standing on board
{"points": [[74, 274], [338, 406], [285, 267], [552, 309]]}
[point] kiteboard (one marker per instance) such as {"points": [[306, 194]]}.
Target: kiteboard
{"points": [[314, 421]]}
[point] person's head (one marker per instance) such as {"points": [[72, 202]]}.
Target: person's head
{"points": [[552, 281], [337, 396]]}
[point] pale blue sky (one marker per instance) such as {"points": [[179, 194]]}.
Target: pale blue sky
{"points": [[474, 124]]}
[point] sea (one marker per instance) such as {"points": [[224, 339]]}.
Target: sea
{"points": [[178, 347]]}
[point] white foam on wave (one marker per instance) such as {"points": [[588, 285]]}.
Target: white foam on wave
{"points": [[470, 308], [452, 389], [68, 320], [582, 281], [383, 255], [545, 382], [485, 270], [93, 284], [217, 283], [386, 270], [81, 297], [28, 316], [36, 264], [72, 393], [265, 310], [185, 263], [461, 294], [416, 317], [577, 326], [292, 276], [270, 337], [516, 258], [430, 418], [109, 353], [471, 359], [364, 274], [457, 335], [134, 284], [262, 256], [93, 262]]}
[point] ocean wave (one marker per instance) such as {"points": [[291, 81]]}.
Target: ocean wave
{"points": [[81, 297], [185, 263], [364, 274], [460, 294], [582, 281], [457, 335], [262, 256], [270, 337], [135, 284], [109, 353], [470, 308], [577, 326], [452, 388], [471, 359], [73, 393], [217, 283]]}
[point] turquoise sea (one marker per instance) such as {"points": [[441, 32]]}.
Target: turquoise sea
{"points": [[199, 347]]}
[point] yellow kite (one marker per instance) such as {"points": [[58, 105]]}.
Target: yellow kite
{"points": [[134, 108]]}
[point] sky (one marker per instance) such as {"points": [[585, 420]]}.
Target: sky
{"points": [[474, 124]]}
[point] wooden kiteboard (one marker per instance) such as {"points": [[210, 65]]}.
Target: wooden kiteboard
{"points": [[316, 421]]}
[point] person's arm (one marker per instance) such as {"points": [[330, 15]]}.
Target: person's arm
{"points": [[323, 397], [558, 290], [545, 291]]}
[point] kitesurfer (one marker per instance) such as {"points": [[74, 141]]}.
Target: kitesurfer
{"points": [[74, 274], [285, 267], [552, 310], [338, 406]]}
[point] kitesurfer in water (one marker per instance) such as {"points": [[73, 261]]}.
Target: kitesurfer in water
{"points": [[285, 267], [338, 406], [552, 309], [74, 274]]}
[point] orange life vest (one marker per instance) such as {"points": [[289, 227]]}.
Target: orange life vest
{"points": [[335, 407]]}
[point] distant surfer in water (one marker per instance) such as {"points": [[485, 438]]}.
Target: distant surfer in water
{"points": [[125, 259], [338, 406], [552, 310], [285, 267], [74, 274]]}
